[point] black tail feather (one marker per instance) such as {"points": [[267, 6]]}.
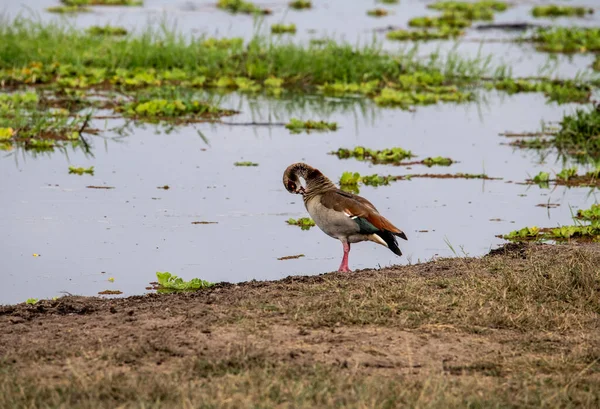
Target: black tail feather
{"points": [[390, 240]]}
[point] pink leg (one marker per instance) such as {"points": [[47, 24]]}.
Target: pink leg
{"points": [[344, 266]]}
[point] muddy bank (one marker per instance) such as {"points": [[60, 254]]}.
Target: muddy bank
{"points": [[520, 325]]}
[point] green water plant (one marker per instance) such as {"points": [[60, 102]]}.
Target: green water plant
{"points": [[168, 282], [157, 108], [524, 233], [300, 4], [560, 91], [32, 301], [567, 39], [388, 155], [388, 1], [103, 2], [585, 232], [241, 6], [107, 30], [377, 12], [542, 179], [297, 126], [81, 171], [245, 164], [350, 179], [342, 88], [437, 160], [283, 29], [391, 97], [591, 215], [553, 10], [579, 132], [465, 6], [442, 33], [68, 9], [305, 223]]}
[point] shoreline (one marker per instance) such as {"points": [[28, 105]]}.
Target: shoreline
{"points": [[520, 326]]}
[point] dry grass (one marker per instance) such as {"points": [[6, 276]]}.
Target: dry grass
{"points": [[517, 329]]}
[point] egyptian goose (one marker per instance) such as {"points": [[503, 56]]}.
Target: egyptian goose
{"points": [[341, 215]]}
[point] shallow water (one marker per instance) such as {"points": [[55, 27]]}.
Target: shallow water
{"points": [[86, 236]]}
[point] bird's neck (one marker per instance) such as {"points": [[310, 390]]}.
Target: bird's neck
{"points": [[316, 186]]}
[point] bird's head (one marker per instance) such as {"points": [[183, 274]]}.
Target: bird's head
{"points": [[292, 175]]}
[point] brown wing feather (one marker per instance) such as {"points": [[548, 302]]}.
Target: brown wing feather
{"points": [[354, 205]]}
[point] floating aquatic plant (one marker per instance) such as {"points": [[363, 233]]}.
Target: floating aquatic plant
{"points": [[438, 160], [341, 88], [81, 171], [68, 9], [558, 90], [296, 125], [377, 12], [388, 155], [353, 179], [585, 232], [406, 99], [283, 29], [107, 30], [567, 39], [553, 10], [591, 215], [464, 6], [305, 223], [241, 6], [170, 282], [300, 4], [245, 164], [443, 33], [568, 177], [103, 2]]}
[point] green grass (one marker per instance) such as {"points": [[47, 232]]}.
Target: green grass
{"points": [[305, 223], [107, 30], [54, 47], [567, 39], [389, 155], [168, 282], [283, 29], [579, 132], [553, 10], [297, 126]]}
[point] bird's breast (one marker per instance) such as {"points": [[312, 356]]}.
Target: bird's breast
{"points": [[333, 223]]}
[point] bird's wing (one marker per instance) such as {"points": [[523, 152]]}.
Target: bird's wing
{"points": [[358, 207]]}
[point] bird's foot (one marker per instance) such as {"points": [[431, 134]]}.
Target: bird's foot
{"points": [[344, 269]]}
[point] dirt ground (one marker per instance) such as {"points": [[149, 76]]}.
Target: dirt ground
{"points": [[517, 328]]}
